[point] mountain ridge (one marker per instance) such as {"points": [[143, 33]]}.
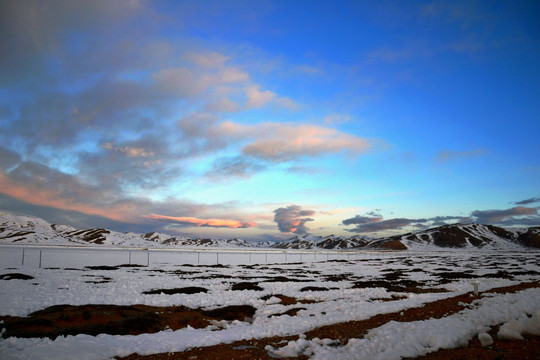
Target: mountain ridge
{"points": [[31, 230]]}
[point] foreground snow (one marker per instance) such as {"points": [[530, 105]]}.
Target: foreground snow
{"points": [[75, 285]]}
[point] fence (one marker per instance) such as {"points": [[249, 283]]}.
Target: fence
{"points": [[62, 257]]}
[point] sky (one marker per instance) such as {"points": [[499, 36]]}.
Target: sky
{"points": [[269, 119]]}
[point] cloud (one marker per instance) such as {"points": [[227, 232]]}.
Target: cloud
{"points": [[382, 225], [35, 184], [209, 59], [257, 98], [105, 114], [293, 219], [374, 222], [223, 104], [528, 201], [450, 155], [192, 221], [363, 220], [336, 119], [497, 216], [308, 170], [129, 151], [508, 217], [30, 30], [283, 142], [224, 169]]}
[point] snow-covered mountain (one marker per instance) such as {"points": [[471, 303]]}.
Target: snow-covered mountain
{"points": [[30, 230], [318, 242], [469, 236], [456, 236]]}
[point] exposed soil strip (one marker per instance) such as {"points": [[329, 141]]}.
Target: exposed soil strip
{"points": [[15, 276], [116, 320], [255, 348], [184, 290]]}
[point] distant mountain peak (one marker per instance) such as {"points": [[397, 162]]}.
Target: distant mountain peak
{"points": [[31, 230]]}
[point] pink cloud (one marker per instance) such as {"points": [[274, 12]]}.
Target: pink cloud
{"points": [[33, 194], [234, 224], [257, 98], [278, 141]]}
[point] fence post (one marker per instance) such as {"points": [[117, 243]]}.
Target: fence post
{"points": [[198, 257], [40, 259], [22, 257], [129, 257], [148, 258], [217, 258]]}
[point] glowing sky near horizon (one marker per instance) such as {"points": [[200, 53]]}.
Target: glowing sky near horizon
{"points": [[266, 119]]}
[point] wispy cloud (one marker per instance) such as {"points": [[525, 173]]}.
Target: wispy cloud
{"points": [[225, 169], [451, 155], [528, 201]]}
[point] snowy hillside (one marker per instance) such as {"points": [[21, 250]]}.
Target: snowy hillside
{"points": [[317, 242], [471, 236], [30, 230], [457, 236]]}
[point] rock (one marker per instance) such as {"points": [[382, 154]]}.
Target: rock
{"points": [[485, 339]]}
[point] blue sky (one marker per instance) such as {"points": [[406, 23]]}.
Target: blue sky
{"points": [[267, 119]]}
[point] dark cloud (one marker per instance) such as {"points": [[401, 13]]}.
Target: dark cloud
{"points": [[498, 216], [374, 222], [510, 217], [235, 167], [293, 219], [8, 158], [528, 201], [32, 30], [362, 220], [382, 225]]}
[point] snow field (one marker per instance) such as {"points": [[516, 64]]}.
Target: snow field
{"points": [[77, 256], [76, 285]]}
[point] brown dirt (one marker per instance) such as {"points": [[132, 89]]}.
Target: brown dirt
{"points": [[115, 320], [393, 245], [255, 348]]}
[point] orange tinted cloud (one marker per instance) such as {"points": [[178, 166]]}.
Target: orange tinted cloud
{"points": [[234, 224], [48, 197]]}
